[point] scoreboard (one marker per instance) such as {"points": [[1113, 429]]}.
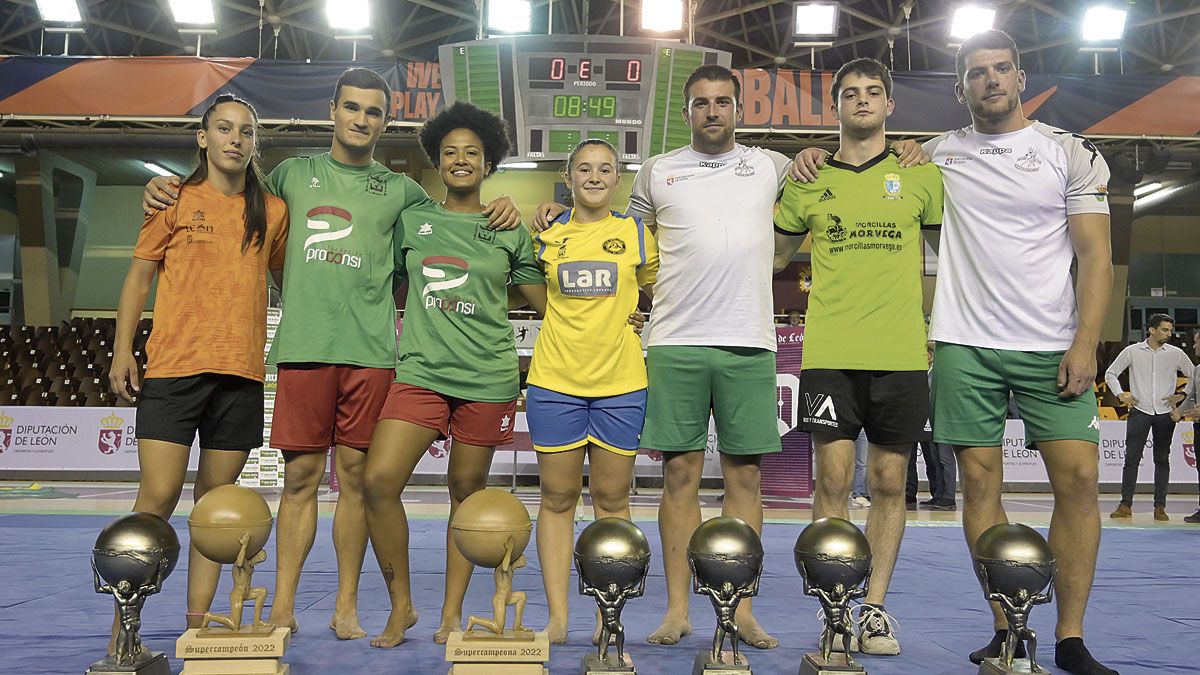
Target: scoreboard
{"points": [[556, 90]]}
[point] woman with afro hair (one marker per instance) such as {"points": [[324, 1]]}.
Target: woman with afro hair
{"points": [[457, 372]]}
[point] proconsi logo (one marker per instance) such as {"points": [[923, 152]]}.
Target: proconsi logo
{"points": [[324, 234]]}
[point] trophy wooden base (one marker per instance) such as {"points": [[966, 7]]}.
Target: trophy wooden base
{"points": [[813, 664], [705, 665], [151, 663], [992, 666], [592, 665], [482, 653], [220, 651]]}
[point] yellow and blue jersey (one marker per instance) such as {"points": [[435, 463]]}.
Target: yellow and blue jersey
{"points": [[593, 272]]}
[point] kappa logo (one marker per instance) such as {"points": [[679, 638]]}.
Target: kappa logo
{"points": [[425, 229], [820, 405], [1095, 423], [826, 195], [995, 151], [109, 439]]}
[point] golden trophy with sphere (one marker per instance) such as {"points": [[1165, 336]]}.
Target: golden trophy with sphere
{"points": [[491, 528], [231, 525]]}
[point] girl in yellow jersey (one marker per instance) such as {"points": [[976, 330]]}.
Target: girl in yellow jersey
{"points": [[587, 382]]}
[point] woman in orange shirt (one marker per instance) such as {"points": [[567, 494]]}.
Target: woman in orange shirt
{"points": [[211, 250]]}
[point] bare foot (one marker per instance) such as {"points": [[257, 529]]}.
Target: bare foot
{"points": [[449, 625], [556, 630], [671, 631], [753, 634], [393, 632], [286, 621], [346, 626]]}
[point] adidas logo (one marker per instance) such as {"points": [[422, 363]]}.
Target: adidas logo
{"points": [[826, 195], [425, 229]]}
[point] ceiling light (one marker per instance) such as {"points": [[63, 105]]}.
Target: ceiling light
{"points": [[1104, 24], [59, 11], [969, 20], [1146, 189], [633, 167], [662, 16], [157, 169], [348, 14], [509, 16], [815, 18], [519, 165], [193, 12]]}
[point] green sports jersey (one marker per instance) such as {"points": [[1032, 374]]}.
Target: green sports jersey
{"points": [[865, 310], [456, 338], [337, 276]]}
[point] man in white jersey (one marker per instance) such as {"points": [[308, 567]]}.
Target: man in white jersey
{"points": [[712, 338], [1023, 201]]}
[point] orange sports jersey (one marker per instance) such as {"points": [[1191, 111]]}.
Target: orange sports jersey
{"points": [[210, 310]]}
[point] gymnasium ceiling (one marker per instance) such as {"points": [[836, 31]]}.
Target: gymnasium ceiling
{"points": [[1161, 35]]}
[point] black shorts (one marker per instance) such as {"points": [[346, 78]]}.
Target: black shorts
{"points": [[892, 406], [227, 410]]}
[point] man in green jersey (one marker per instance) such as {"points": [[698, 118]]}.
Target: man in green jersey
{"points": [[866, 258], [336, 342]]}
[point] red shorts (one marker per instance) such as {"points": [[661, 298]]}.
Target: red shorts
{"points": [[471, 422], [319, 405]]}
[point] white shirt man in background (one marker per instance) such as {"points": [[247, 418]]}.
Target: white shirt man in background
{"points": [[1153, 365]]}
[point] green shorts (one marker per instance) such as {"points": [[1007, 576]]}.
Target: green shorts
{"points": [[970, 397], [737, 384]]}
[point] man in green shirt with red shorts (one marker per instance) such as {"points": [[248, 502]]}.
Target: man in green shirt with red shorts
{"points": [[864, 361]]}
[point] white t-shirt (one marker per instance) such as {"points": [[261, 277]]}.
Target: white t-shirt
{"points": [[716, 244], [1004, 268]]}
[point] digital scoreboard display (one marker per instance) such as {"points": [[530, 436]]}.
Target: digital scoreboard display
{"points": [[556, 90]]}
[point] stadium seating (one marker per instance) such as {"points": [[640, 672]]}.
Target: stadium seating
{"points": [[64, 365]]}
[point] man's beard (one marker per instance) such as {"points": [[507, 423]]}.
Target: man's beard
{"points": [[983, 112]]}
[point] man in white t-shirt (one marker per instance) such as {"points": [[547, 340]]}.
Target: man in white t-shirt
{"points": [[1023, 201], [712, 336]]}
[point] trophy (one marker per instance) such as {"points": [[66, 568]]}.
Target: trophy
{"points": [[230, 525], [834, 560], [612, 557], [491, 528], [132, 557], [1016, 568], [726, 557]]}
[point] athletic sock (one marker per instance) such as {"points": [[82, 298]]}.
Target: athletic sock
{"points": [[1073, 656], [992, 650]]}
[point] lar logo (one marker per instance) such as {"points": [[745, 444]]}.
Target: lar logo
{"points": [[6, 423], [505, 422], [614, 246], [111, 433]]}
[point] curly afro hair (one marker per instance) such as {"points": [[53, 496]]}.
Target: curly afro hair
{"points": [[489, 127]]}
